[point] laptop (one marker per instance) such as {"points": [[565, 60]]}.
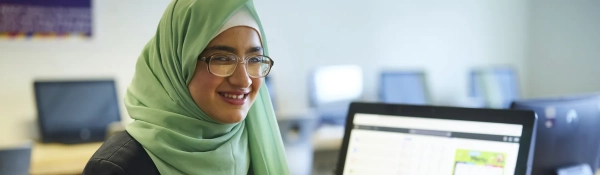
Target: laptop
{"points": [[408, 139]]}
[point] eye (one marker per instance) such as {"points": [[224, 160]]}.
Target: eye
{"points": [[255, 59], [222, 59]]}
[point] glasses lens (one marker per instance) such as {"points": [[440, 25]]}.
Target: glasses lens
{"points": [[258, 66], [222, 65]]}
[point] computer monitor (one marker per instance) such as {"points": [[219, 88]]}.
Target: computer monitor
{"points": [[497, 87], [406, 139], [332, 89], [405, 87], [75, 111], [568, 131], [269, 84]]}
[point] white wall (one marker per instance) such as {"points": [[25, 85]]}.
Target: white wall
{"points": [[565, 47], [121, 28], [445, 38]]}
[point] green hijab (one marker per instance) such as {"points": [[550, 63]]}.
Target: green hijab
{"points": [[179, 137]]}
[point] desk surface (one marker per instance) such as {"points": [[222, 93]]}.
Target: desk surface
{"points": [[66, 159], [60, 158]]}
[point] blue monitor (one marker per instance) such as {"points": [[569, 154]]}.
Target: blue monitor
{"points": [[269, 84], [75, 111], [407, 87], [568, 132], [497, 87]]}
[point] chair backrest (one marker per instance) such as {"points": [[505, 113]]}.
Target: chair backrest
{"points": [[407, 87], [15, 161]]}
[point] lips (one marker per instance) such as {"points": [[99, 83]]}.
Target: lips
{"points": [[235, 98]]}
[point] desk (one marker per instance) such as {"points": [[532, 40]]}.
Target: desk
{"points": [[60, 158], [71, 159]]}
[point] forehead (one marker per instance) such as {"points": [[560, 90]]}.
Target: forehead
{"points": [[237, 37]]}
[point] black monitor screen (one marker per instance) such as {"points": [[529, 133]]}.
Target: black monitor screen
{"points": [[76, 111]]}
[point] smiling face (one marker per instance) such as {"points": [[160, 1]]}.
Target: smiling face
{"points": [[227, 99]]}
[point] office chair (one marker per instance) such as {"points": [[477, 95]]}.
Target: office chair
{"points": [[15, 161]]}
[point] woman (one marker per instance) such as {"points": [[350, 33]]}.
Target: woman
{"points": [[197, 98]]}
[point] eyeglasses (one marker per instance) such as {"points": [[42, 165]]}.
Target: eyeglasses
{"points": [[223, 65]]}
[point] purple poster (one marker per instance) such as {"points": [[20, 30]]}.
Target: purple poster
{"points": [[45, 18]]}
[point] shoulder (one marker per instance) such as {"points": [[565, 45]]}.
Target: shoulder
{"points": [[120, 154]]}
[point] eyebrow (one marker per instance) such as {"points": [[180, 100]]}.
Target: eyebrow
{"points": [[232, 49], [254, 49]]}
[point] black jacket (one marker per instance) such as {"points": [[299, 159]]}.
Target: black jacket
{"points": [[120, 155]]}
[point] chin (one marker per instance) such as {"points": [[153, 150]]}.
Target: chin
{"points": [[232, 118]]}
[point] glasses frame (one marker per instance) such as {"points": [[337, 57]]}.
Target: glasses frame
{"points": [[243, 61]]}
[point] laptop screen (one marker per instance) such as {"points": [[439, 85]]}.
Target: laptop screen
{"points": [[382, 144]]}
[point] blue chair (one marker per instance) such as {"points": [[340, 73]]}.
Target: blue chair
{"points": [[407, 87], [15, 161]]}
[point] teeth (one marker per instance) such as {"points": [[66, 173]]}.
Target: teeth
{"points": [[233, 96]]}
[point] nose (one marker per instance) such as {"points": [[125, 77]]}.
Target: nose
{"points": [[240, 77]]}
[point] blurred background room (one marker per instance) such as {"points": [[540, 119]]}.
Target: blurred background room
{"points": [[464, 53]]}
